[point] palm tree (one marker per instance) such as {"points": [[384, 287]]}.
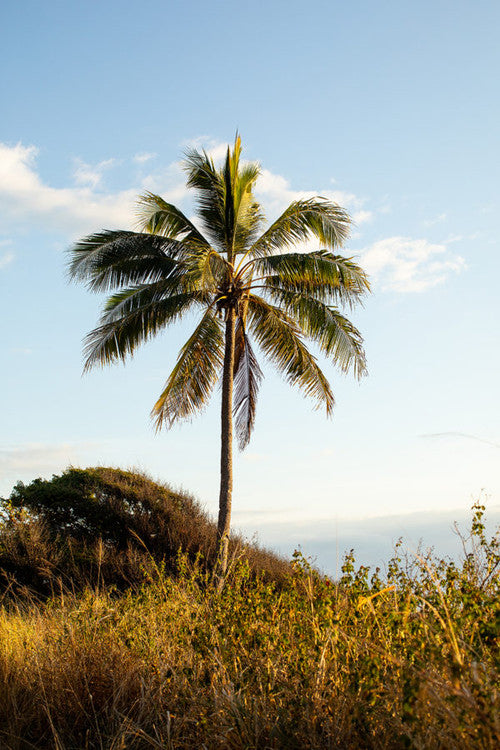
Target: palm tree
{"points": [[243, 281]]}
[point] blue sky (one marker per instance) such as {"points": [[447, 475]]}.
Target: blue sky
{"points": [[389, 108]]}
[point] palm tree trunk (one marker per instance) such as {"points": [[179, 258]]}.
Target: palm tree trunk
{"points": [[226, 456]]}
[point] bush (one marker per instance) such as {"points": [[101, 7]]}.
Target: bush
{"points": [[99, 526], [410, 661]]}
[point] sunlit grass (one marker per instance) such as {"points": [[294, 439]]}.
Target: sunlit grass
{"points": [[408, 661]]}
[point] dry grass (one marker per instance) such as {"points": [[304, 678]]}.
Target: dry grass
{"points": [[410, 661], [100, 526]]}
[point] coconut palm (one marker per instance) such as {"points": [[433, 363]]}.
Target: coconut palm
{"points": [[247, 284]]}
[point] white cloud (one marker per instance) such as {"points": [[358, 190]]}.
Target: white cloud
{"points": [[275, 193], [144, 157], [436, 220], [402, 264], [26, 199], [215, 149], [24, 462], [360, 217], [29, 460], [5, 259], [91, 175], [168, 182]]}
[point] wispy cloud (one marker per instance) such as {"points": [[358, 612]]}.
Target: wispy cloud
{"points": [[39, 455], [435, 220], [142, 158], [403, 264], [91, 175], [275, 193], [24, 462], [72, 210], [465, 435], [214, 148], [452, 238], [6, 259], [85, 205]]}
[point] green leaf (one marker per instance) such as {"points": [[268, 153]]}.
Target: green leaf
{"points": [[315, 217], [132, 317], [158, 217], [191, 382], [328, 277], [281, 340], [111, 259], [247, 378], [210, 192], [334, 333]]}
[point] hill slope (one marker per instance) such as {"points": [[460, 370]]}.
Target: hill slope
{"points": [[101, 526], [279, 659]]}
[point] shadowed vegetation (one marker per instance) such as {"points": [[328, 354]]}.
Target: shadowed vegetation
{"points": [[100, 526], [405, 659]]}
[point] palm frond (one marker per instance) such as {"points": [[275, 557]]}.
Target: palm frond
{"points": [[315, 217], [131, 317], [208, 269], [156, 216], [112, 259], [234, 157], [326, 276], [228, 176], [336, 336], [247, 378], [225, 201], [197, 369], [203, 176], [249, 215], [281, 340]]}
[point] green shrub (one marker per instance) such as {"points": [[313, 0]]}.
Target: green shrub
{"points": [[308, 663], [99, 526], [269, 662]]}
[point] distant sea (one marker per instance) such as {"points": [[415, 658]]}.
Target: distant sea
{"points": [[326, 541]]}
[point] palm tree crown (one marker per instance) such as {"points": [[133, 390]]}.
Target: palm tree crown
{"points": [[245, 282]]}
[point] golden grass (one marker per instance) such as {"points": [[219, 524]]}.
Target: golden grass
{"points": [[409, 661], [100, 526]]}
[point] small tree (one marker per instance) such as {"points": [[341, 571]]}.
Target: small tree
{"points": [[243, 282]]}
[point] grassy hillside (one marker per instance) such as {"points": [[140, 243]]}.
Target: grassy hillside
{"points": [[100, 526], [293, 660]]}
